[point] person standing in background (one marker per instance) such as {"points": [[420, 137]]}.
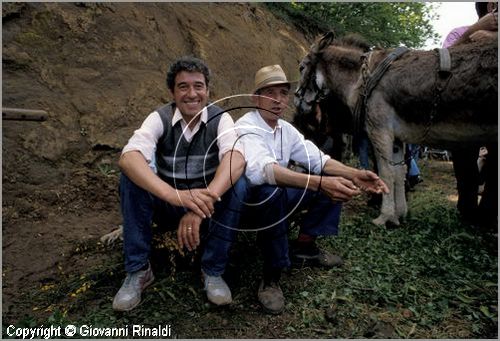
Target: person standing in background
{"points": [[484, 214]]}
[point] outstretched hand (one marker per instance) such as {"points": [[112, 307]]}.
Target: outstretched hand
{"points": [[368, 181], [338, 188]]}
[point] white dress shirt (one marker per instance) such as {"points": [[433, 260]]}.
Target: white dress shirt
{"points": [[146, 137], [265, 146]]}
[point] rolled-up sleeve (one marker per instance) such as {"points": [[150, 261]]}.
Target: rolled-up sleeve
{"points": [[454, 36], [257, 153], [146, 137], [227, 137]]}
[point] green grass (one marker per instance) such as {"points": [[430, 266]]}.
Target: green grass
{"points": [[433, 277]]}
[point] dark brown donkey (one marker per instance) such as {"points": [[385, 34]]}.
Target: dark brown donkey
{"points": [[412, 101]]}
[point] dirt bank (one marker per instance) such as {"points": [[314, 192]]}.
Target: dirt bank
{"points": [[98, 70]]}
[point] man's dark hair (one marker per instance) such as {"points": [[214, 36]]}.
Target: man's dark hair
{"points": [[189, 64], [481, 8]]}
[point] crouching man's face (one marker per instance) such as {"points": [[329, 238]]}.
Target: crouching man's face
{"points": [[272, 102], [190, 93]]}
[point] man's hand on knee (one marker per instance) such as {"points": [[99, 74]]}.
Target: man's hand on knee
{"points": [[199, 200], [188, 232]]}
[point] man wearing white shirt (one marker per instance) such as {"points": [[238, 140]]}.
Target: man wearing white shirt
{"points": [[270, 143], [193, 147]]}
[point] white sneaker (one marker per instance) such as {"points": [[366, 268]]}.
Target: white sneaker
{"points": [[217, 290], [129, 295]]}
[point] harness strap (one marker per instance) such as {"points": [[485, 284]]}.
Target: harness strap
{"points": [[382, 68], [444, 60], [370, 84]]}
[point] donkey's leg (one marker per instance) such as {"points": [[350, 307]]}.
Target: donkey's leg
{"points": [[382, 145], [399, 180]]}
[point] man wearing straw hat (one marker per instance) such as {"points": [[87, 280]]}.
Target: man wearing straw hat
{"points": [[270, 143]]}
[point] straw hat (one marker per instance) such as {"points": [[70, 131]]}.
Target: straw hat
{"points": [[269, 75]]}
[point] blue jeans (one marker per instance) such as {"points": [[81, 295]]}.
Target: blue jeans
{"points": [[412, 152], [140, 208], [363, 149], [223, 227], [267, 209]]}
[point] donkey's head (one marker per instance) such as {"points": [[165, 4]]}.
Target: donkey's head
{"points": [[311, 87], [329, 70]]}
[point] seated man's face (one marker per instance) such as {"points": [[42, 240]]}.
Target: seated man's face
{"points": [[190, 93], [273, 101]]}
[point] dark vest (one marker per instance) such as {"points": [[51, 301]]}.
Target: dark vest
{"points": [[188, 164]]}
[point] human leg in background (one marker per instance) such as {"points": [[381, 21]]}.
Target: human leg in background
{"points": [[488, 205], [467, 175], [413, 176]]}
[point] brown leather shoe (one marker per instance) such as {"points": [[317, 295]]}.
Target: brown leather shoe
{"points": [[328, 259], [312, 255], [271, 298]]}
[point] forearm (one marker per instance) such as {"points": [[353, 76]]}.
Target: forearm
{"points": [[287, 178], [465, 37], [483, 35], [336, 168], [486, 23], [134, 165], [229, 171]]}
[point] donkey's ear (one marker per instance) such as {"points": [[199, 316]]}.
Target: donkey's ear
{"points": [[326, 40]]}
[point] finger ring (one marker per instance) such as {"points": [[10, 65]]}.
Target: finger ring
{"points": [[189, 228]]}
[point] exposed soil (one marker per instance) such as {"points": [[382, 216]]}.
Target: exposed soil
{"points": [[98, 70]]}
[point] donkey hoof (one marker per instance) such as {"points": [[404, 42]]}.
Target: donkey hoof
{"points": [[380, 220], [391, 224], [385, 220]]}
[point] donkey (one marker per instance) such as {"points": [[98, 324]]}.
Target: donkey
{"points": [[412, 102]]}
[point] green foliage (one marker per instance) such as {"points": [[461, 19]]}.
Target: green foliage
{"points": [[431, 278], [386, 24], [431, 270]]}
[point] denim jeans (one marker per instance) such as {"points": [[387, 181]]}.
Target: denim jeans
{"points": [[363, 149], [267, 210], [412, 158], [140, 208], [223, 227]]}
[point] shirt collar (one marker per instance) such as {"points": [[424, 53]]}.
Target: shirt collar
{"points": [[264, 124], [178, 116]]}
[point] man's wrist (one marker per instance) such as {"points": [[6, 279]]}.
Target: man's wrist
{"points": [[169, 194], [215, 191], [315, 182]]}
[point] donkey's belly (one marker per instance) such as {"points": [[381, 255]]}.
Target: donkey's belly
{"points": [[447, 135]]}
